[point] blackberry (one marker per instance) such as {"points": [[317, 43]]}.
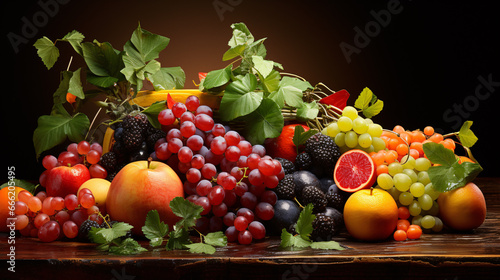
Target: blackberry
{"points": [[291, 229], [323, 150], [132, 139], [138, 121], [109, 161], [314, 195], [286, 187], [287, 165], [85, 227], [303, 161], [335, 200], [153, 137], [324, 228]]}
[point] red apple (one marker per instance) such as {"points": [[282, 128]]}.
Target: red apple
{"points": [[142, 186], [64, 180]]}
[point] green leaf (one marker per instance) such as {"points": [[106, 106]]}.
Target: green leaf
{"points": [[437, 153], [295, 82], [364, 99], [102, 59], [140, 52], [127, 247], [233, 52], [450, 174], [466, 136], [289, 240], [52, 130], [264, 67], [216, 239], [373, 109], [241, 35], [75, 39], [300, 136], [178, 239], [292, 95], [47, 51], [147, 44], [154, 229], [118, 230], [308, 111], [265, 122], [256, 48], [75, 85], [327, 245], [239, 98], [271, 82], [201, 248], [304, 224], [185, 209], [153, 111], [94, 237], [217, 78]]}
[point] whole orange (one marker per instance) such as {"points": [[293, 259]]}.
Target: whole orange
{"points": [[6, 196], [370, 215], [282, 146], [462, 208]]}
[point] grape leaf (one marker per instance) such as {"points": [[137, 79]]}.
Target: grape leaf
{"points": [[201, 248], [364, 99], [52, 130], [265, 122], [450, 174], [466, 136], [289, 240], [233, 52], [154, 229], [118, 230], [168, 78], [241, 35], [217, 78], [300, 136], [239, 98], [185, 209], [327, 245], [75, 85], [75, 39], [178, 239], [308, 111], [264, 67], [304, 223], [47, 51], [271, 82], [295, 82], [217, 238], [127, 247]]}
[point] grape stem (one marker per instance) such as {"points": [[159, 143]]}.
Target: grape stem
{"points": [[407, 145]]}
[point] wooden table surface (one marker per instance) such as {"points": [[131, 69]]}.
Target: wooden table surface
{"points": [[446, 255]]}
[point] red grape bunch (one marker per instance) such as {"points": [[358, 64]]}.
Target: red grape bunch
{"points": [[51, 218], [225, 174]]}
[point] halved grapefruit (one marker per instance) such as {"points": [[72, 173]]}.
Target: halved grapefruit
{"points": [[355, 170]]}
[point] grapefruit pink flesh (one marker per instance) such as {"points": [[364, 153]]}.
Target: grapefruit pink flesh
{"points": [[355, 170]]}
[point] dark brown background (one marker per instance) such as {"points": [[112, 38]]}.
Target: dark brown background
{"points": [[427, 59]]}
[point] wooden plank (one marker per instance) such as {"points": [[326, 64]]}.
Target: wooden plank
{"points": [[445, 255]]}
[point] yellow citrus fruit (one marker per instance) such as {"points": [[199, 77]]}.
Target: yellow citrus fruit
{"points": [[99, 188], [6, 195], [370, 215], [463, 208]]}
